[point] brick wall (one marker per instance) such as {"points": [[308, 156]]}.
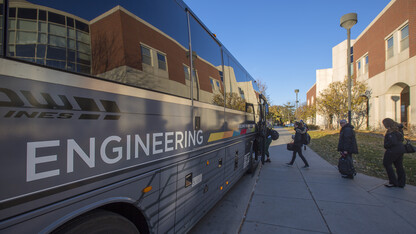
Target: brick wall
{"points": [[373, 41], [311, 93]]}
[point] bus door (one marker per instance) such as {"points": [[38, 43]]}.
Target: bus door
{"points": [[262, 130]]}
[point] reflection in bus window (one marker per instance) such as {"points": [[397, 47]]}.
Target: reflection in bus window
{"points": [[207, 63], [47, 36], [250, 115], [139, 43], [234, 94], [1, 27]]}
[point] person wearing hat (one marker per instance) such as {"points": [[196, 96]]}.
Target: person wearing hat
{"points": [[298, 142], [393, 143], [347, 144]]}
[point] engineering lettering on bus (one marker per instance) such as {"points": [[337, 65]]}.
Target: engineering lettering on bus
{"points": [[155, 143]]}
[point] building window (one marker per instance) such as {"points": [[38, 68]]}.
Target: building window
{"points": [[390, 51], [186, 71], [146, 55], [241, 93], [366, 64], [161, 61], [359, 67], [215, 84], [212, 84], [195, 75], [404, 35]]}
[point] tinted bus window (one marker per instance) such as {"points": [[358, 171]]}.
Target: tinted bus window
{"points": [[207, 64], [234, 78], [1, 27], [139, 43]]}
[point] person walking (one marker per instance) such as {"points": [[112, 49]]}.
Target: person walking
{"points": [[393, 143], [268, 141], [347, 144], [298, 142]]}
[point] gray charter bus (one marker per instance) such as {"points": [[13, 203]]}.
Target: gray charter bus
{"points": [[119, 116]]}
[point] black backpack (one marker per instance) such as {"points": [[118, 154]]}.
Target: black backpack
{"points": [[275, 135], [306, 138]]}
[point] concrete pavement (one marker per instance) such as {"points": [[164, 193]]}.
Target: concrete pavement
{"points": [[282, 199]]}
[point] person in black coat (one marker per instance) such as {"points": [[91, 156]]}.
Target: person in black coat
{"points": [[347, 144], [393, 143], [298, 142]]}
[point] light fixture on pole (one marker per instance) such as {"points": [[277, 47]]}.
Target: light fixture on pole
{"points": [[347, 21], [296, 104], [395, 99]]}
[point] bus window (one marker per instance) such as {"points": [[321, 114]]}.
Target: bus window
{"points": [[207, 64], [139, 43], [250, 113], [1, 27], [234, 79]]}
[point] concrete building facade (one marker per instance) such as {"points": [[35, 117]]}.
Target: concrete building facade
{"points": [[383, 57]]}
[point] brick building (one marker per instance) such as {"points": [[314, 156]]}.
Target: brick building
{"points": [[384, 58]]}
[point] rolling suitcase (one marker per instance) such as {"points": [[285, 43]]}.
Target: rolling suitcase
{"points": [[346, 166]]}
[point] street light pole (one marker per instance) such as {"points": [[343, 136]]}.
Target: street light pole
{"points": [[347, 21], [296, 104]]}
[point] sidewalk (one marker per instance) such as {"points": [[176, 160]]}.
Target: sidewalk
{"points": [[318, 200]]}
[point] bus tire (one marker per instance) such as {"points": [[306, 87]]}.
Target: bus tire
{"points": [[99, 221]]}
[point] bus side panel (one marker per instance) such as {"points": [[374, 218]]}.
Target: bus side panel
{"points": [[129, 191], [167, 203], [212, 180], [57, 153], [189, 191], [204, 192]]}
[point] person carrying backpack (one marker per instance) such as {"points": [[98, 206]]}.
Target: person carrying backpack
{"points": [[347, 145], [306, 138], [298, 142], [271, 135], [393, 143]]}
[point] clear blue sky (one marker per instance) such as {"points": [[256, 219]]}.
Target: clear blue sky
{"points": [[283, 43]]}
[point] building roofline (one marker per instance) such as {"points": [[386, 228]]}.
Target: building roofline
{"points": [[375, 19], [311, 87]]}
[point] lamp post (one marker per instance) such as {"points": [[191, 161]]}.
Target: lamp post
{"points": [[296, 104], [347, 21], [395, 99]]}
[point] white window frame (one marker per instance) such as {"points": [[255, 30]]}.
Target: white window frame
{"points": [[213, 84], [141, 54], [404, 40], [188, 72], [389, 50], [158, 61]]}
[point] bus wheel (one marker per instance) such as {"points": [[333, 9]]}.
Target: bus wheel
{"points": [[99, 221]]}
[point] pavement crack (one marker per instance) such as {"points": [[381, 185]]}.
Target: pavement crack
{"points": [[314, 200]]}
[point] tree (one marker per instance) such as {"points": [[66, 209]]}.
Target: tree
{"points": [[233, 101], [287, 112], [306, 112], [263, 89], [332, 102], [274, 114]]}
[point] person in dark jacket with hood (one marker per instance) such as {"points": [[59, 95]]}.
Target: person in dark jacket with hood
{"points": [[298, 142], [347, 144], [393, 143]]}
